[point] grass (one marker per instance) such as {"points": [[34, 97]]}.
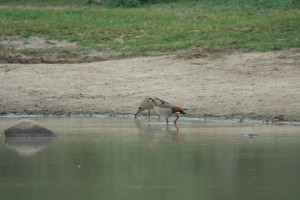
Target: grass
{"points": [[129, 3], [44, 2], [159, 28]]}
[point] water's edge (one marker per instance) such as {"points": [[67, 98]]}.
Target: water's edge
{"points": [[200, 118]]}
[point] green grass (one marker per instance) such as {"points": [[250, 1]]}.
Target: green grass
{"points": [[44, 2], [161, 27], [135, 3]]}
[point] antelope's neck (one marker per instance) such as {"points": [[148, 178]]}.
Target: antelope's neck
{"points": [[155, 103]]}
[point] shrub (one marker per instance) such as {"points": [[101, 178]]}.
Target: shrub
{"points": [[122, 3], [133, 3]]}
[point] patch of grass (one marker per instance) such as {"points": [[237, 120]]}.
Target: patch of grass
{"points": [[51, 3], [137, 3], [28, 51], [159, 28], [258, 4]]}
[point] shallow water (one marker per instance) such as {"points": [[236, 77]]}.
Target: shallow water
{"points": [[122, 158]]}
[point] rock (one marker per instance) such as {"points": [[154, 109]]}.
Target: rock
{"points": [[252, 135], [28, 128]]}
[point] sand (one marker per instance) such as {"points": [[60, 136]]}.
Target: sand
{"points": [[260, 85]]}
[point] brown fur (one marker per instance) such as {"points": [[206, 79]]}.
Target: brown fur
{"points": [[176, 108]]}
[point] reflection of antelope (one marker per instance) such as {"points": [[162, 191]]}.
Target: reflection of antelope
{"points": [[158, 134], [145, 104], [167, 110]]}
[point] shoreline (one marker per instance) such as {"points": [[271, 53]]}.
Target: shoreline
{"points": [[257, 85], [143, 116]]}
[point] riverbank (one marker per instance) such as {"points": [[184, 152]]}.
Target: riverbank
{"points": [[260, 85]]}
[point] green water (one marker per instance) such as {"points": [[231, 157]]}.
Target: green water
{"points": [[121, 158]]}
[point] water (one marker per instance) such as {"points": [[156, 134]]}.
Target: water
{"points": [[121, 158]]}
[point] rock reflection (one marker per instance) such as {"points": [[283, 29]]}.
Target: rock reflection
{"points": [[28, 146], [159, 133]]}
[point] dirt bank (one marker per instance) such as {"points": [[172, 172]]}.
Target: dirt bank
{"points": [[256, 85]]}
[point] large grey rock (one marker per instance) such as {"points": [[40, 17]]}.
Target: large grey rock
{"points": [[28, 128]]}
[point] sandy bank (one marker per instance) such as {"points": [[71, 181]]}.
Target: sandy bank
{"points": [[256, 85]]}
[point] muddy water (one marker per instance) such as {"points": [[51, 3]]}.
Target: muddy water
{"points": [[121, 158]]}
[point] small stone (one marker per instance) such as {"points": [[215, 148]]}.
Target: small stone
{"points": [[252, 135]]}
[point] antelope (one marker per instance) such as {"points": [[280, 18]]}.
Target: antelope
{"points": [[167, 110], [145, 104]]}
